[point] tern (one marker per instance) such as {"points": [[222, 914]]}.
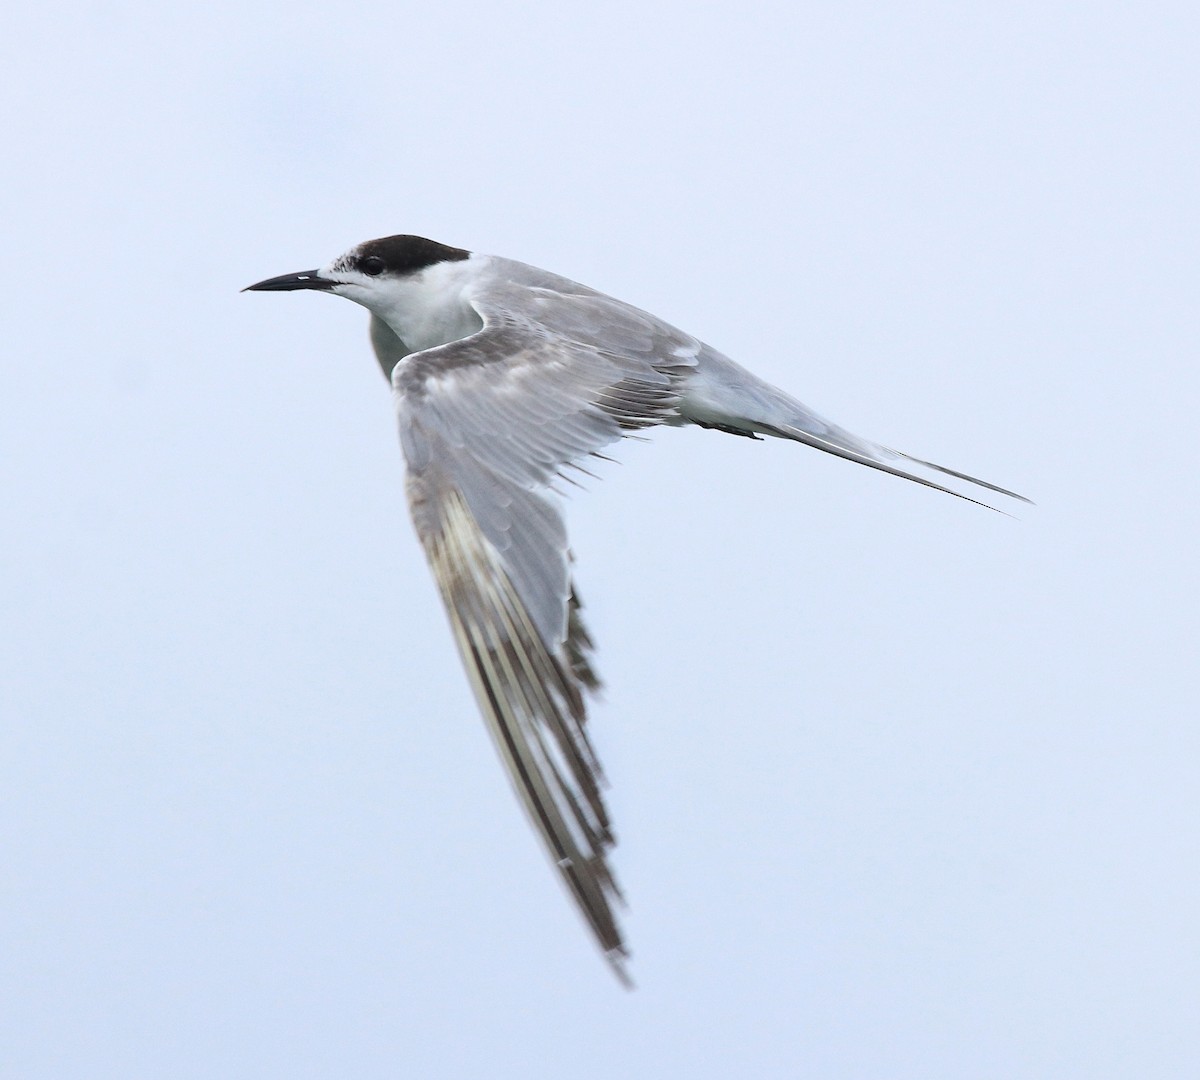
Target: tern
{"points": [[506, 378]]}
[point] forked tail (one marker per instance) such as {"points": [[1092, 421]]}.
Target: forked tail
{"points": [[721, 394]]}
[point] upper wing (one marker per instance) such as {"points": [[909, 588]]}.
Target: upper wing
{"points": [[489, 424]]}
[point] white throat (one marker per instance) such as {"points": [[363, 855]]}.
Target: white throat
{"points": [[430, 307]]}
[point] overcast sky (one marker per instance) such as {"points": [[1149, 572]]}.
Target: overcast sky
{"points": [[904, 788]]}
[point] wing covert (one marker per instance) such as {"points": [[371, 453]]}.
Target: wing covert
{"points": [[488, 424]]}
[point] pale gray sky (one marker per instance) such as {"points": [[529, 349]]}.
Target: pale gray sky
{"points": [[905, 788]]}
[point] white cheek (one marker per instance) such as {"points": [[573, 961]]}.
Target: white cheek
{"points": [[426, 310], [351, 284]]}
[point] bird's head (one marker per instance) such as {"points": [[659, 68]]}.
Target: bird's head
{"points": [[412, 284]]}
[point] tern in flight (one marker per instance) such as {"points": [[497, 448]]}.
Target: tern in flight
{"points": [[505, 378]]}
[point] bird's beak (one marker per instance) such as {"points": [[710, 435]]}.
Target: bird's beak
{"points": [[306, 279]]}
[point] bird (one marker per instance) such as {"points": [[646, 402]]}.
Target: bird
{"points": [[507, 381]]}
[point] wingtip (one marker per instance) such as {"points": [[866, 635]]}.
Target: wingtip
{"points": [[617, 960]]}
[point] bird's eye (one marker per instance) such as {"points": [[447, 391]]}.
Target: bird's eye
{"points": [[372, 265]]}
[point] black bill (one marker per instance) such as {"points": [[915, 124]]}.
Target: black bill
{"points": [[306, 279]]}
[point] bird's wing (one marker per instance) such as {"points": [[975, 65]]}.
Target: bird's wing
{"points": [[490, 424]]}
